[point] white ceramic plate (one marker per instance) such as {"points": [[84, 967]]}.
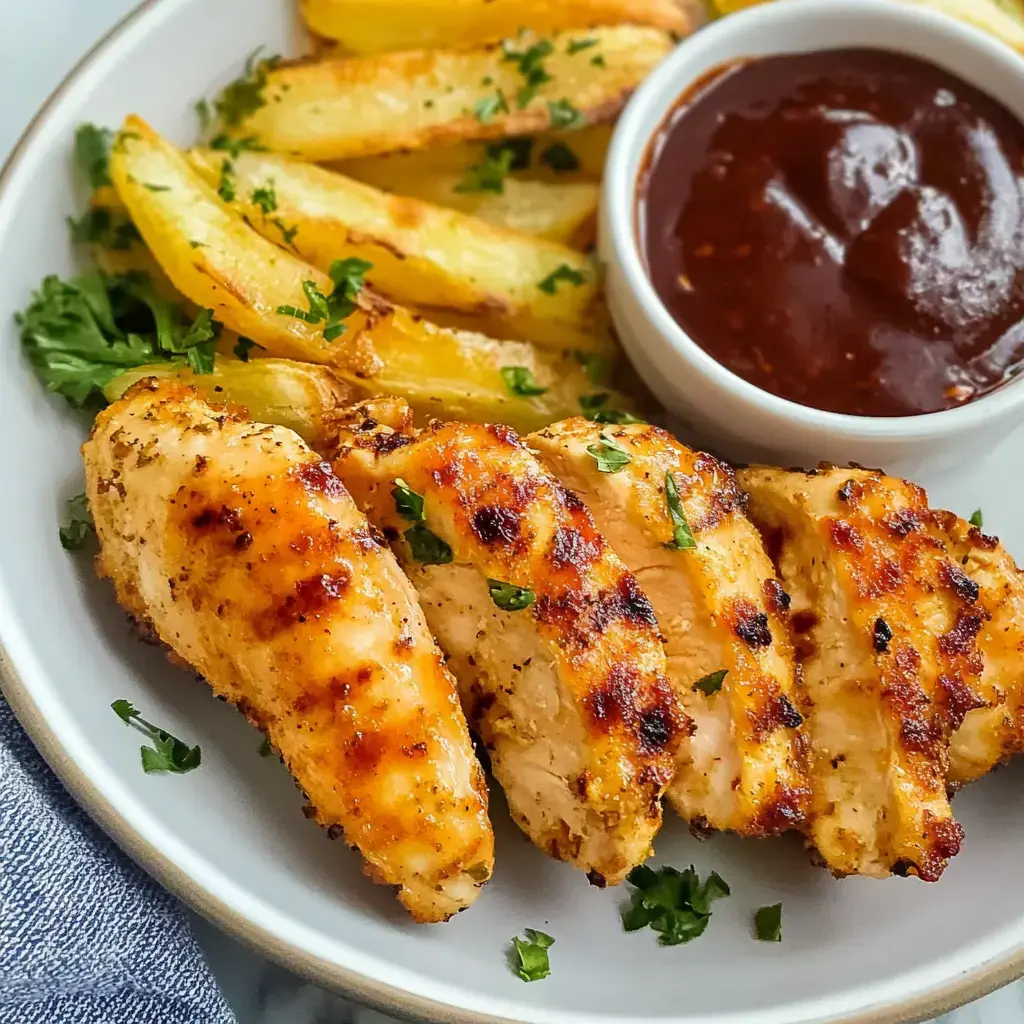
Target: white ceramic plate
{"points": [[230, 837]]}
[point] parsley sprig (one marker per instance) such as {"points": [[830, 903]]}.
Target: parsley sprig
{"points": [[675, 904], [563, 272], [168, 753], [424, 545], [977, 519], [595, 408], [682, 535], [332, 310], [531, 67], [609, 455], [768, 923], [92, 153], [76, 531], [520, 382], [711, 683], [106, 228], [487, 108], [499, 159], [529, 956], [510, 598], [81, 333], [244, 96]]}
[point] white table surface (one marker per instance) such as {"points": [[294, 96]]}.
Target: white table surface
{"points": [[39, 42]]}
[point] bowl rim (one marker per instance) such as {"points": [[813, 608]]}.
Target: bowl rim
{"points": [[48, 735], [669, 81]]}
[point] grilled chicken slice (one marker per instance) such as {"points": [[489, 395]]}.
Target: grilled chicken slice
{"points": [[720, 608], [989, 735], [885, 627], [555, 647], [244, 552]]}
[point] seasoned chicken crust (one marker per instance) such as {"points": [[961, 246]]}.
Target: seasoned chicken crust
{"points": [[720, 608], [250, 561], [568, 694], [886, 626]]}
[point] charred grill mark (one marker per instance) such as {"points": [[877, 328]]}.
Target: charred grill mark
{"points": [[776, 598], [902, 522], [386, 443], [649, 711], [882, 635], [960, 639], [570, 500], [575, 548], [365, 750], [776, 712], [504, 435], [312, 597], [337, 688], [785, 811], [229, 518], [750, 625], [960, 699], [845, 535], [850, 492], [959, 582], [583, 618], [496, 524], [319, 478]]}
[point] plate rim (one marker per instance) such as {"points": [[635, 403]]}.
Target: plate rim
{"points": [[938, 999]]}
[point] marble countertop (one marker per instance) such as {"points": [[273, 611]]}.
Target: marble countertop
{"points": [[40, 41]]}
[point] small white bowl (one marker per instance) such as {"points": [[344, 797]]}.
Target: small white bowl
{"points": [[721, 409]]}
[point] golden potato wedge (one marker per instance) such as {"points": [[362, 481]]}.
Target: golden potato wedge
{"points": [[559, 213], [1002, 18], [458, 375], [546, 157], [439, 261], [338, 109], [216, 260], [304, 397], [378, 26]]}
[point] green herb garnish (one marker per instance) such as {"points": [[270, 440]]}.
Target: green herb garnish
{"points": [[92, 152], [563, 272], [408, 504], [101, 226], [675, 904], [520, 382], [426, 547], [266, 747], [510, 598], [559, 157], [609, 455], [530, 66], [75, 532], [244, 96], [682, 536], [520, 147], [564, 115], [81, 333], [598, 61], [768, 923], [712, 682], [265, 198], [488, 175], [977, 519], [595, 408], [332, 309], [226, 185], [203, 114], [243, 347], [234, 147], [485, 110], [594, 366], [287, 234], [575, 45], [168, 753], [529, 956]]}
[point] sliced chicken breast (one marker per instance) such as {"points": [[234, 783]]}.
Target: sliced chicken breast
{"points": [[555, 647], [721, 610], [242, 550], [886, 627], [991, 734]]}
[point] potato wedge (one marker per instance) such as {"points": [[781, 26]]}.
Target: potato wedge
{"points": [[441, 262], [335, 110], [559, 213], [215, 259], [1002, 18], [536, 158], [378, 26], [304, 397], [457, 375]]}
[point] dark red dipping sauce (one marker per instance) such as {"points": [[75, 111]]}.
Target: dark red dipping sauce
{"points": [[844, 229]]}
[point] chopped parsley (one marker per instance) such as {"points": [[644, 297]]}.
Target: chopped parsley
{"points": [[559, 157], [768, 923], [266, 747], [265, 198], [675, 904], [594, 366], [531, 67], [92, 153], [426, 547], [287, 234], [682, 536], [488, 175], [598, 61], [82, 332], [105, 228], [234, 147], [520, 382], [226, 185], [333, 309], [977, 519], [564, 115], [244, 96], [595, 408], [529, 956], [156, 188], [510, 598], [168, 753], [486, 109], [203, 114], [243, 347], [609, 455], [563, 272], [408, 504], [75, 533], [575, 45], [712, 682], [520, 147]]}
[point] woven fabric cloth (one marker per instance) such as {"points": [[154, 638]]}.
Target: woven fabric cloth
{"points": [[86, 936]]}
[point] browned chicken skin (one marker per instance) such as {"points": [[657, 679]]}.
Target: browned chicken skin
{"points": [[569, 692], [244, 552], [886, 627], [720, 609]]}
